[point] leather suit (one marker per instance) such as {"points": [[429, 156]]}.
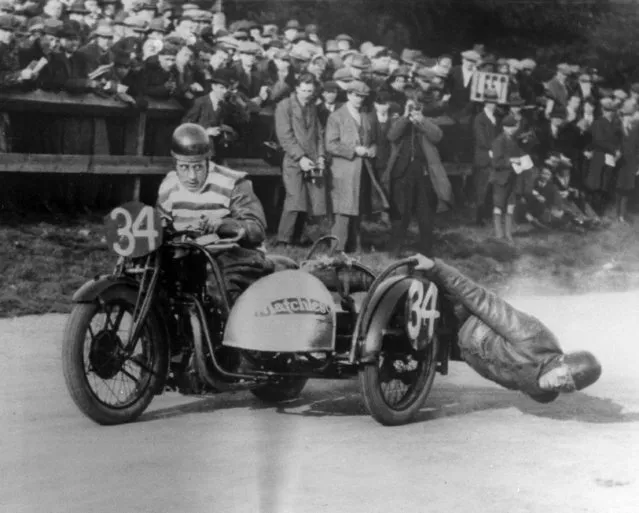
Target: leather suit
{"points": [[502, 344]]}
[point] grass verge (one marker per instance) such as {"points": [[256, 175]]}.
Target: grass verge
{"points": [[44, 259]]}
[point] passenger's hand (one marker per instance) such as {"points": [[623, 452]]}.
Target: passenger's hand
{"points": [[423, 263], [264, 92], [213, 131], [371, 152], [306, 164], [195, 87]]}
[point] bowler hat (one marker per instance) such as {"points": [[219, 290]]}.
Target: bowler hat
{"points": [[249, 47], [292, 24], [330, 86], [608, 104], [359, 87], [360, 61], [7, 22], [223, 77], [52, 27], [344, 37], [471, 55], [342, 75], [515, 100], [564, 68], [410, 55], [509, 121]]}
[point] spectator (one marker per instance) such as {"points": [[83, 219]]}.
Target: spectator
{"points": [[215, 115], [505, 151], [414, 178], [557, 88], [328, 104], [628, 162], [97, 51], [301, 136], [605, 152], [351, 146], [485, 130]]}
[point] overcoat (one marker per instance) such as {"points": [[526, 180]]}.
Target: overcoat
{"points": [[605, 140], [342, 136], [299, 137], [629, 163]]}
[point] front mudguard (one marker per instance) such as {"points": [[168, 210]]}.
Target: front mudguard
{"points": [[377, 315], [92, 289]]}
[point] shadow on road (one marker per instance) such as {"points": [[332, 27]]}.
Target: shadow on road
{"points": [[344, 399]]}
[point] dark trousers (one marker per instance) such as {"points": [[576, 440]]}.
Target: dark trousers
{"points": [[413, 192]]}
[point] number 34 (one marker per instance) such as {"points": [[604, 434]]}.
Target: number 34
{"points": [[422, 309], [132, 229]]}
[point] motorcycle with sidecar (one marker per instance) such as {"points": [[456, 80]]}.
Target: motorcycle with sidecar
{"points": [[163, 320]]}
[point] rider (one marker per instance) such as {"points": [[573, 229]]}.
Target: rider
{"points": [[507, 346], [209, 198]]}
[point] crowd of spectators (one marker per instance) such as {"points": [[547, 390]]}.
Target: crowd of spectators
{"points": [[556, 152]]}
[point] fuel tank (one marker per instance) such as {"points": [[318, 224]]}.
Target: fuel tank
{"points": [[288, 311]]}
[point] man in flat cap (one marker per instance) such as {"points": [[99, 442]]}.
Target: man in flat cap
{"points": [[415, 179], [215, 114], [351, 146], [557, 88], [461, 77], [606, 150], [291, 32], [505, 152], [301, 136], [344, 42], [98, 49], [328, 104], [485, 130]]}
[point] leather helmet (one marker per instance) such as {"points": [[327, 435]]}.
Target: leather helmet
{"points": [[190, 142], [584, 368]]}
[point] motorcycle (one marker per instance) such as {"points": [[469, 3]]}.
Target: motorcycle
{"points": [[163, 320]]}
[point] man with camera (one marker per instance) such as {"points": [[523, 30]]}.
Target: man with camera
{"points": [[301, 136], [415, 178]]}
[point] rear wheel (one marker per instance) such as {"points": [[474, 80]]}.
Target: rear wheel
{"points": [[397, 384], [109, 383]]}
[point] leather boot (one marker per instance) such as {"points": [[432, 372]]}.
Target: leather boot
{"points": [[508, 228], [499, 229]]}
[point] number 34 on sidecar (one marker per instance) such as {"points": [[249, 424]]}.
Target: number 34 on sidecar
{"points": [[163, 320]]}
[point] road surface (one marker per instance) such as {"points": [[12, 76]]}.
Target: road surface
{"points": [[475, 447]]}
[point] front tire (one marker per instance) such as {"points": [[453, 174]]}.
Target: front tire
{"points": [[93, 359]]}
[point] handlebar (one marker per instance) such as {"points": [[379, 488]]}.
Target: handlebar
{"points": [[210, 241]]}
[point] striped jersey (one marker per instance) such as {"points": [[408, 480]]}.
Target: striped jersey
{"points": [[214, 198]]}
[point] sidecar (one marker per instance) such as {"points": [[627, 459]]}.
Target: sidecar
{"points": [[335, 319]]}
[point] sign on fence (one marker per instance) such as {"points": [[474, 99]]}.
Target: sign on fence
{"points": [[484, 81]]}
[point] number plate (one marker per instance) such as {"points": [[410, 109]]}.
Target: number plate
{"points": [[133, 229], [421, 313]]}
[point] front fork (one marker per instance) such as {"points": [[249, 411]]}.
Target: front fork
{"points": [[150, 275]]}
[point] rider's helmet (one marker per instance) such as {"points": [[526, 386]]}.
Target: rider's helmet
{"points": [[190, 142], [584, 368]]}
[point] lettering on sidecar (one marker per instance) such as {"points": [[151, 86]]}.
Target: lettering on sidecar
{"points": [[294, 305]]}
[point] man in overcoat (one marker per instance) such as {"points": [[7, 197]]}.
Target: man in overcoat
{"points": [[485, 130], [605, 151], [415, 178], [301, 136], [629, 161], [350, 142]]}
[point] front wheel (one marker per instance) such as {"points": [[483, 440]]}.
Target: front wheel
{"points": [[110, 383]]}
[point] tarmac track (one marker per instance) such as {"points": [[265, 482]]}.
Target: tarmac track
{"points": [[474, 448]]}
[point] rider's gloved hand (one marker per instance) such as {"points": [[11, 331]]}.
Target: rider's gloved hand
{"points": [[229, 228], [423, 263]]}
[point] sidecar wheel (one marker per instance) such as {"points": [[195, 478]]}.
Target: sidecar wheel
{"points": [[108, 386], [281, 391], [375, 385]]}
